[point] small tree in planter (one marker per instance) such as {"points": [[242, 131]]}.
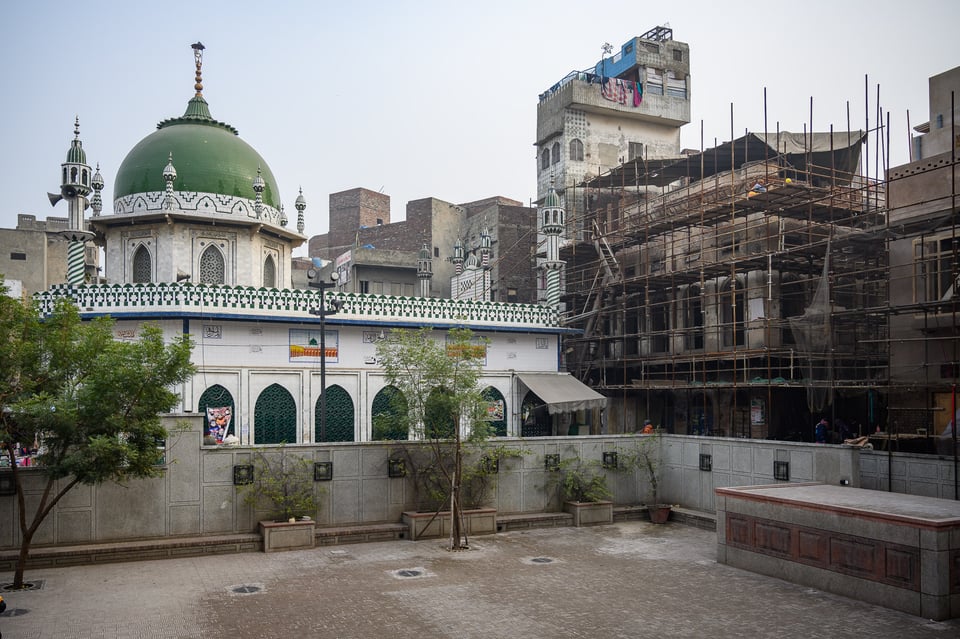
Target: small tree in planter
{"points": [[282, 486], [583, 490], [583, 481], [645, 457], [442, 402]]}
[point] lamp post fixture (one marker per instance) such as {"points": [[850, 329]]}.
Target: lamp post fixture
{"points": [[322, 313]]}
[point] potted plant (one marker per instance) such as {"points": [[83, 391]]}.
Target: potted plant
{"points": [[645, 457], [584, 490], [282, 487]]}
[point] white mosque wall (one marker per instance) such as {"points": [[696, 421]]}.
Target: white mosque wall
{"points": [[176, 250], [246, 357]]}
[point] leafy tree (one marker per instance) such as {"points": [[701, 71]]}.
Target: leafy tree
{"points": [[439, 381], [91, 403]]}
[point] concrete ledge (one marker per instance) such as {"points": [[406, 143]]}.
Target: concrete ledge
{"points": [[139, 550], [48, 557], [629, 513], [360, 534], [696, 518], [522, 521]]}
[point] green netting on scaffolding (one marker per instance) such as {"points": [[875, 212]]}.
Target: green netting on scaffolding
{"points": [[813, 334]]}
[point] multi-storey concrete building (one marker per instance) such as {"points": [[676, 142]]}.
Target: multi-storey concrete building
{"points": [[630, 104], [924, 279], [376, 254]]}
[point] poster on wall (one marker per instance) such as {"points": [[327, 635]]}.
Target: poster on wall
{"points": [[305, 346], [757, 413], [495, 411], [218, 422]]}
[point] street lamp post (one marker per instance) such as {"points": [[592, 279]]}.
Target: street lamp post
{"points": [[322, 313]]}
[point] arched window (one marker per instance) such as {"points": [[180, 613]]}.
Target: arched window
{"points": [[339, 417], [275, 417], [556, 152], [576, 150], [496, 411], [212, 266], [220, 401], [142, 266], [389, 411], [545, 159], [535, 417], [269, 272]]}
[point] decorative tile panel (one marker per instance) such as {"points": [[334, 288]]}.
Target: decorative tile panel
{"points": [[188, 297]]}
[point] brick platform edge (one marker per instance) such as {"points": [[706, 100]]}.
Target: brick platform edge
{"points": [[47, 557]]}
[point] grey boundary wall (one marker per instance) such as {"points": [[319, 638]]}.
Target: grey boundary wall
{"points": [[196, 495], [912, 474]]}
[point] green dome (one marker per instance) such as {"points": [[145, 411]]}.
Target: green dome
{"points": [[76, 154], [552, 200], [208, 155]]}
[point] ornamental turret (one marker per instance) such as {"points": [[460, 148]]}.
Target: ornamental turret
{"points": [[301, 206], [551, 221], [424, 270], [76, 182]]}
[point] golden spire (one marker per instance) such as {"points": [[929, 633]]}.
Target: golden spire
{"points": [[198, 57]]}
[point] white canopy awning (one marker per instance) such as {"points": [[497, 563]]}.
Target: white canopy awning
{"points": [[561, 392]]}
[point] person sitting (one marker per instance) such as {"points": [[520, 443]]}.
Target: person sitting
{"points": [[647, 427], [759, 187], [820, 431]]}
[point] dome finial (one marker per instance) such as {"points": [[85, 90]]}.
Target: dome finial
{"points": [[198, 58], [76, 127]]}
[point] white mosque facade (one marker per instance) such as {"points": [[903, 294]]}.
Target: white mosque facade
{"points": [[197, 240]]}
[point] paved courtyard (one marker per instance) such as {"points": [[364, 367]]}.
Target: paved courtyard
{"points": [[630, 579]]}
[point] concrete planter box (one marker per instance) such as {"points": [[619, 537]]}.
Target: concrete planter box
{"points": [[481, 521], [590, 513], [287, 535]]}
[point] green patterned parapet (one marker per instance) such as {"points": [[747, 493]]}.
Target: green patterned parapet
{"points": [[187, 297]]}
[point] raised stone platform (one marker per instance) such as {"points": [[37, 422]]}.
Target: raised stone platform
{"points": [[889, 549]]}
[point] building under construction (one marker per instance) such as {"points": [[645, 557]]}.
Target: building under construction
{"points": [[750, 289]]}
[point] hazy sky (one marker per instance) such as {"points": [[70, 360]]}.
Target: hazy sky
{"points": [[432, 98]]}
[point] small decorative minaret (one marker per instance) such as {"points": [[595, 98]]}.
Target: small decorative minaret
{"points": [[169, 175], [75, 184], [485, 249], [458, 257], [96, 202], [551, 225], [258, 186], [425, 270], [301, 206]]}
